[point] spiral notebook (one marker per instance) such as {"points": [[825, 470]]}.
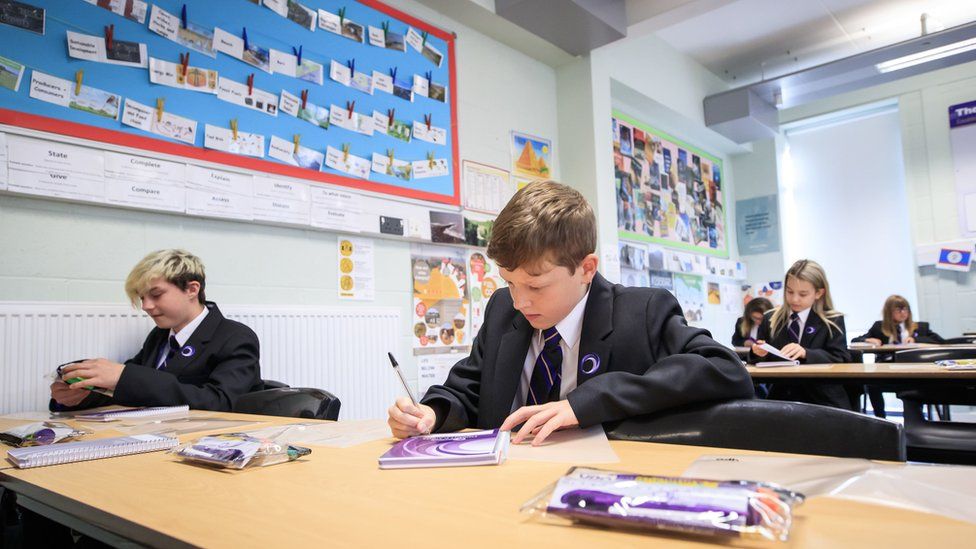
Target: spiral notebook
{"points": [[130, 413], [448, 450], [70, 452]]}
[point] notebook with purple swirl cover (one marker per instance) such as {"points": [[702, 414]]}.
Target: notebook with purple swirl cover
{"points": [[448, 450]]}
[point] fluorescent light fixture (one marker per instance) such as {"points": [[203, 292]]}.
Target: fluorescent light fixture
{"points": [[926, 56]]}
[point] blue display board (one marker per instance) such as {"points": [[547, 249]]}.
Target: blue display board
{"points": [[47, 53]]}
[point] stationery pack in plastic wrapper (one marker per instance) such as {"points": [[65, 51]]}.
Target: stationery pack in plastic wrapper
{"points": [[239, 450], [40, 433], [734, 508]]}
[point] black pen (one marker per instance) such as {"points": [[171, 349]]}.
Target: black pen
{"points": [[403, 380]]}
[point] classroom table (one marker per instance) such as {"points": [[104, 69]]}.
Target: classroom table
{"points": [[338, 497], [898, 373], [888, 347]]}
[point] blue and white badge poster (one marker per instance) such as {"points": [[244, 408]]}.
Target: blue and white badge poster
{"points": [[357, 94], [962, 137], [757, 224], [954, 260]]}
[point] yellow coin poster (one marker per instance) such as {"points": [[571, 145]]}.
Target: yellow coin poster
{"points": [[440, 299], [484, 277], [356, 268]]}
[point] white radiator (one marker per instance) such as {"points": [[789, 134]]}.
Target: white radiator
{"points": [[341, 350]]}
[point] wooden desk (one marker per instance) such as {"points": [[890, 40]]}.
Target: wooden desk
{"points": [[887, 372], [338, 497]]}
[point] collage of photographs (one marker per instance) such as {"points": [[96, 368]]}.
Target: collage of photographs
{"points": [[666, 191], [194, 35]]}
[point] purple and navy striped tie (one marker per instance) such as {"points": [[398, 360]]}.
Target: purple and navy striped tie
{"points": [[794, 328], [548, 372]]}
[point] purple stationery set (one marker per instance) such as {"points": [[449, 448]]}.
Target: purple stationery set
{"points": [[695, 506], [448, 450]]}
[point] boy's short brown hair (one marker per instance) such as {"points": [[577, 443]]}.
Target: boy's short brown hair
{"points": [[178, 267], [544, 221]]}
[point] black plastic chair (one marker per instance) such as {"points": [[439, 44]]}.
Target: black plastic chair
{"points": [[938, 441], [272, 384], [769, 425], [965, 340], [290, 402]]}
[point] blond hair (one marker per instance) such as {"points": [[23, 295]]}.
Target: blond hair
{"points": [[888, 325], [809, 271], [544, 221], [178, 267]]}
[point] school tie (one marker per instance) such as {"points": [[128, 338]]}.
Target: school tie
{"points": [[897, 334], [170, 352], [544, 384], [794, 328]]}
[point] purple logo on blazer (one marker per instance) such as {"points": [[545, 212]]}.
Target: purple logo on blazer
{"points": [[188, 351], [810, 330], [590, 364]]}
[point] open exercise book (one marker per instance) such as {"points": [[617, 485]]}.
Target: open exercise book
{"points": [[115, 414], [777, 353], [70, 452], [448, 450]]}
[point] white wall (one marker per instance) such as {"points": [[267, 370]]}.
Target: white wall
{"points": [[946, 299], [52, 251], [849, 210]]}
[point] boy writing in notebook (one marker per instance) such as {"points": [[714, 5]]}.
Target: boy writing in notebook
{"points": [[561, 346], [194, 356]]}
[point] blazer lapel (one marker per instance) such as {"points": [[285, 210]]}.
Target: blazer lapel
{"points": [[508, 371], [155, 346], [813, 326], [191, 350], [594, 349]]}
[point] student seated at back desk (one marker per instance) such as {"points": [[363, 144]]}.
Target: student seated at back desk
{"points": [[807, 328], [747, 326], [895, 327], [194, 356], [561, 346]]}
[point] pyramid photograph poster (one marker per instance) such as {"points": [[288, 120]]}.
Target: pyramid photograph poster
{"points": [[531, 156]]}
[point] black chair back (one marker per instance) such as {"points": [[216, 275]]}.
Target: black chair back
{"points": [[769, 425], [290, 402], [931, 354], [965, 340]]}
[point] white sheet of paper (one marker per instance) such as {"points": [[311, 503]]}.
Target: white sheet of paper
{"points": [[144, 117], [92, 48], [280, 201], [572, 445], [351, 164], [422, 168], [381, 122], [237, 93], [218, 204], [284, 150], [51, 89], [775, 352], [354, 122], [3, 161], [377, 37], [170, 74], [164, 23], [53, 169], [143, 182], [340, 73], [381, 164], [222, 139], [289, 104], [382, 82], [433, 369], [337, 434], [209, 179], [330, 22], [334, 209], [435, 135], [227, 43], [421, 86], [283, 63], [414, 40]]}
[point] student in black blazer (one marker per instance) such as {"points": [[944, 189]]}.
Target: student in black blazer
{"points": [[194, 356], [747, 326], [895, 327], [806, 328], [561, 346]]}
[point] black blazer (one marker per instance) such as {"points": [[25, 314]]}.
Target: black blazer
{"points": [[637, 356], [737, 339], [922, 334], [218, 364]]}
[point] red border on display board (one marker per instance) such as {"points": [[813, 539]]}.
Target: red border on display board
{"points": [[116, 137]]}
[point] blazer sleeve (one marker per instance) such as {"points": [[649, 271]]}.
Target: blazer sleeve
{"points": [[737, 339], [456, 402], [926, 335], [94, 400], [690, 367], [762, 334], [874, 332], [834, 349], [236, 370]]}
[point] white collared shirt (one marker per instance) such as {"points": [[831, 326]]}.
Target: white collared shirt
{"points": [[183, 335], [754, 332], [570, 328], [804, 315], [904, 332]]}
